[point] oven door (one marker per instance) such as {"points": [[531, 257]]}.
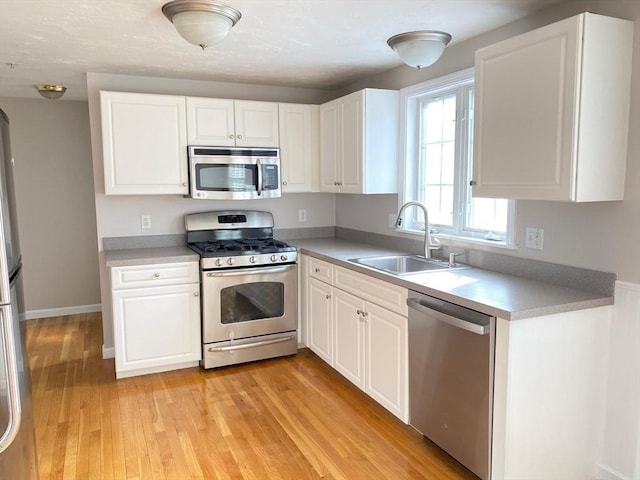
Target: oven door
{"points": [[249, 302]]}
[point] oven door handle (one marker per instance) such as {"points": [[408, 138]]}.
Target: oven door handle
{"points": [[244, 346], [252, 271]]}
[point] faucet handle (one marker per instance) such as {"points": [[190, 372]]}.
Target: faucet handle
{"points": [[452, 258]]}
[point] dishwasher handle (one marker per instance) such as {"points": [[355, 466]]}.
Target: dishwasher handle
{"points": [[448, 319]]}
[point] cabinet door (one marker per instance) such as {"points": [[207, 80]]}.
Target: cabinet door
{"points": [[350, 168], [296, 135], [386, 354], [330, 138], [144, 141], [156, 327], [549, 125], [210, 122], [256, 124], [524, 114], [349, 323], [320, 320]]}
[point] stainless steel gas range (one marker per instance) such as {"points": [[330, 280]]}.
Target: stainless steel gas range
{"points": [[249, 285]]}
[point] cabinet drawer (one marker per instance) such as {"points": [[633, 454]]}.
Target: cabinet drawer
{"points": [[371, 289], [320, 269], [154, 275]]}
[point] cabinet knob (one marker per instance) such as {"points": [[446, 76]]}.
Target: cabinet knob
{"points": [[231, 136], [473, 183], [284, 183], [196, 294], [317, 270], [239, 136], [184, 184], [157, 275], [328, 297]]}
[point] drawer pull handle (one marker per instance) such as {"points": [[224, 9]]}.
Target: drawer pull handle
{"points": [[317, 270]]}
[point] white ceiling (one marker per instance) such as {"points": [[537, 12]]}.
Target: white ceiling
{"points": [[307, 43]]}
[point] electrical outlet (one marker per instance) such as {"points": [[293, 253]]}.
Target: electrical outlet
{"points": [[302, 215], [534, 238], [145, 222], [393, 218]]}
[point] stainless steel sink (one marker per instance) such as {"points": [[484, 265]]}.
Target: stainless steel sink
{"points": [[405, 264]]}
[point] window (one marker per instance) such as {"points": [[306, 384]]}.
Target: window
{"points": [[438, 164]]}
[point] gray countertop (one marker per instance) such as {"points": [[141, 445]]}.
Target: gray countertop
{"points": [[148, 256], [505, 296]]}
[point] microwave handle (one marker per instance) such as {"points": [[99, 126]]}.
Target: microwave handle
{"points": [[259, 176]]}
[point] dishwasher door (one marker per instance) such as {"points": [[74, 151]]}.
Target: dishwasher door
{"points": [[451, 352]]}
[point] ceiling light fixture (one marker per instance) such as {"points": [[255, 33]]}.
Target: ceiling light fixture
{"points": [[202, 23], [421, 48], [51, 92]]}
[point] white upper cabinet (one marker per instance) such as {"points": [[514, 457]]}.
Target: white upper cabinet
{"points": [[359, 143], [144, 141], [298, 126], [552, 112], [220, 122]]}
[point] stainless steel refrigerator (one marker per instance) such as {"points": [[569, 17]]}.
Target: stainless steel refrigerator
{"points": [[18, 459]]}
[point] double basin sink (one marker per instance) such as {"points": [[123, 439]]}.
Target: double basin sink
{"points": [[405, 264]]}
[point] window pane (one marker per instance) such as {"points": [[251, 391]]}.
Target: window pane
{"points": [[438, 158], [439, 201], [487, 214]]}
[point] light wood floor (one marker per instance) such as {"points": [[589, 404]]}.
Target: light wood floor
{"points": [[289, 418]]}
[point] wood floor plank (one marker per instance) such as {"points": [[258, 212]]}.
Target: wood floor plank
{"points": [[291, 418]]}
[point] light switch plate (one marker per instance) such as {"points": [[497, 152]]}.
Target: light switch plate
{"points": [[534, 238], [145, 222]]}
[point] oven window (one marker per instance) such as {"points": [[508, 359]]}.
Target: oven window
{"points": [[227, 177], [252, 301]]}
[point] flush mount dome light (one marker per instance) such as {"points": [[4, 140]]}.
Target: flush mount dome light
{"points": [[421, 48], [202, 23], [51, 92]]}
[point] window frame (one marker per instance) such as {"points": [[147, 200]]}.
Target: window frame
{"points": [[410, 100]]}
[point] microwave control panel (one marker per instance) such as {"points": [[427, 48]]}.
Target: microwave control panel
{"points": [[270, 179]]}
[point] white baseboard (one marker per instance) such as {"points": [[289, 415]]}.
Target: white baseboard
{"points": [[108, 352], [607, 473], [57, 312]]}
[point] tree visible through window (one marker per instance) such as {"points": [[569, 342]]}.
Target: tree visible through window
{"points": [[439, 163]]}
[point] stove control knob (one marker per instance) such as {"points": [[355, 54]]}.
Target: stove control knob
{"points": [[273, 258], [231, 261], [283, 258], [219, 262], [252, 259]]}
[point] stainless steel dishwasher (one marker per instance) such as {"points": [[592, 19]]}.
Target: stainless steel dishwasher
{"points": [[451, 353]]}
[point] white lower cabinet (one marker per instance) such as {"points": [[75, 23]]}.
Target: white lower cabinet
{"points": [[362, 340], [156, 316], [319, 316]]}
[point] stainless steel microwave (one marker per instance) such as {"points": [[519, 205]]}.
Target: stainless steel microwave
{"points": [[223, 173]]}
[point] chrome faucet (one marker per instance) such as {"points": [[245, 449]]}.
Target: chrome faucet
{"points": [[428, 244]]}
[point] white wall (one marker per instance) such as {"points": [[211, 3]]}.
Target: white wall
{"points": [[55, 202], [602, 236], [118, 216]]}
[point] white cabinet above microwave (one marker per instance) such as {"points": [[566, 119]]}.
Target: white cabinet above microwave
{"points": [[231, 123], [144, 143]]}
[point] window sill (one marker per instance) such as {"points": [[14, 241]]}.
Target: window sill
{"points": [[456, 240]]}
